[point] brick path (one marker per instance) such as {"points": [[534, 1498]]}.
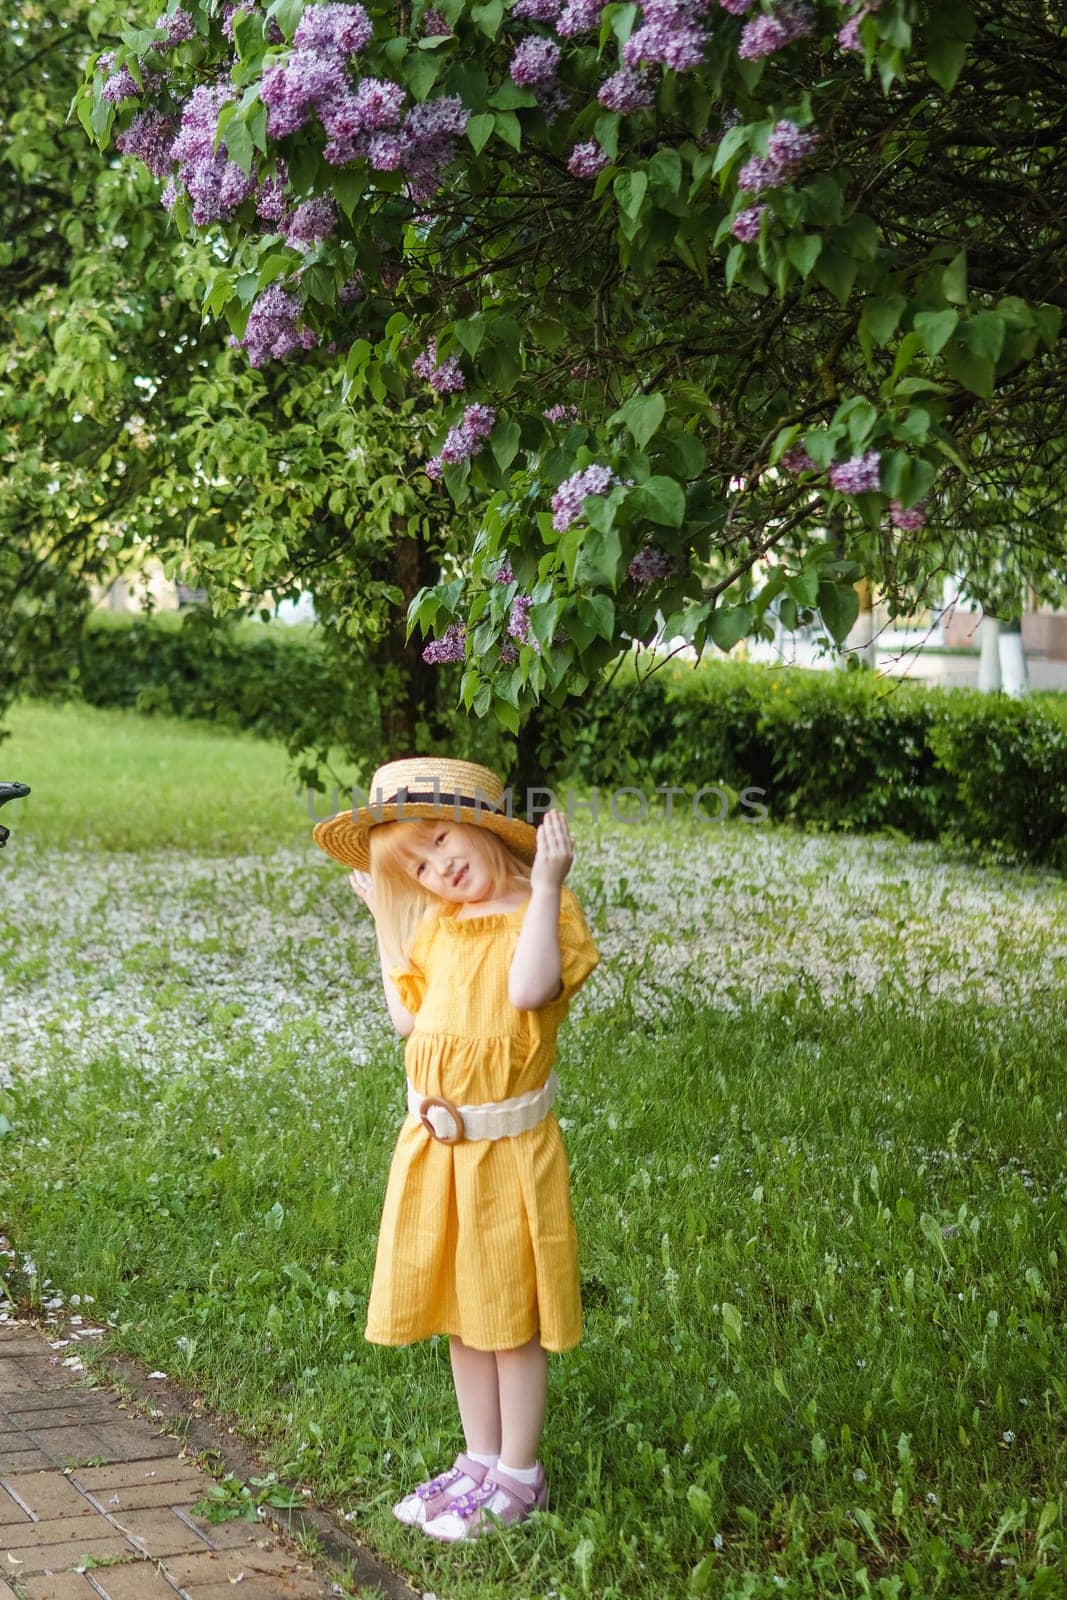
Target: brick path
{"points": [[83, 1482]]}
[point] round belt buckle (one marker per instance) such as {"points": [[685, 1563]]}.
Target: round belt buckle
{"points": [[453, 1111]]}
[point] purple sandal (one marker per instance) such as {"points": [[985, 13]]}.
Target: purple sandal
{"points": [[428, 1500], [467, 1516]]}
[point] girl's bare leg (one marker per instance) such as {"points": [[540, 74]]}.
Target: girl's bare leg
{"points": [[475, 1375], [523, 1385]]}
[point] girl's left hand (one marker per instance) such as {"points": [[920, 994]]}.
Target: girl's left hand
{"points": [[554, 852]]}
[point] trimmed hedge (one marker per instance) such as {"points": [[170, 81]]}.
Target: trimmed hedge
{"points": [[831, 750]]}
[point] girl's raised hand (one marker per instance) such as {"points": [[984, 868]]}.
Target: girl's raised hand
{"points": [[554, 852], [360, 883]]}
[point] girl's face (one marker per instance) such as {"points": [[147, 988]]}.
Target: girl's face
{"points": [[449, 863]]}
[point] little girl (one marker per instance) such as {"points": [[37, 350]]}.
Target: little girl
{"points": [[482, 947]]}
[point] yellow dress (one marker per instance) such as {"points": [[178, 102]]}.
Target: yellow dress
{"points": [[478, 1238]]}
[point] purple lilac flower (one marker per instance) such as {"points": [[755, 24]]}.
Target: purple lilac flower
{"points": [[765, 34], [149, 136], [216, 185], [468, 436], [798, 460], [859, 474], [519, 621], [271, 329], [736, 8], [625, 91], [270, 200], [849, 36], [304, 84], [538, 10], [561, 413], [587, 159], [430, 132], [579, 16], [652, 562], [788, 146], [535, 62], [378, 104], [503, 573], [444, 379], [567, 500], [178, 28], [311, 222], [434, 25], [746, 224], [909, 521], [757, 174], [344, 29], [669, 34], [508, 653], [121, 85], [351, 290], [449, 647], [386, 152]]}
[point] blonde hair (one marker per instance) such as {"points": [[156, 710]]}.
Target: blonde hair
{"points": [[401, 904]]}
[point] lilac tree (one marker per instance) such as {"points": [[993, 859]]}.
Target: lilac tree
{"points": [[707, 307]]}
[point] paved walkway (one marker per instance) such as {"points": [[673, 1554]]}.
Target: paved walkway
{"points": [[95, 1503]]}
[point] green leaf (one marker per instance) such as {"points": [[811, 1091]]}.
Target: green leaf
{"points": [[665, 174], [471, 331], [935, 329], [504, 443], [882, 316], [728, 624], [630, 190], [286, 14], [489, 17], [661, 500], [803, 250], [983, 333], [479, 129], [839, 607], [954, 280], [598, 612], [607, 133], [642, 415], [420, 73], [733, 140], [510, 96], [944, 61], [509, 128], [973, 371], [836, 271]]}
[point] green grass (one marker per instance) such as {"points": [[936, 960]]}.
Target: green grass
{"points": [[112, 780], [821, 1243]]}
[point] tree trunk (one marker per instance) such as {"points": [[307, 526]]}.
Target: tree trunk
{"points": [[1014, 677], [860, 642], [989, 661], [410, 691], [527, 772]]}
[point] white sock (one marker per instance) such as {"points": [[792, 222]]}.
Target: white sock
{"points": [[486, 1461]]}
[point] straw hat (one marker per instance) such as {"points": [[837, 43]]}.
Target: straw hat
{"points": [[423, 786]]}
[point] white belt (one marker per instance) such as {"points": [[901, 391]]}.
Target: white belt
{"points": [[496, 1119]]}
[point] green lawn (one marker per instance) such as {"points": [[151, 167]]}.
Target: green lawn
{"points": [[813, 1109]]}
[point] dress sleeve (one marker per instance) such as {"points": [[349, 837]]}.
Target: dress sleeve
{"points": [[410, 986], [578, 954], [411, 980]]}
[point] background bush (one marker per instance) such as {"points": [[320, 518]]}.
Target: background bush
{"points": [[830, 750]]}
